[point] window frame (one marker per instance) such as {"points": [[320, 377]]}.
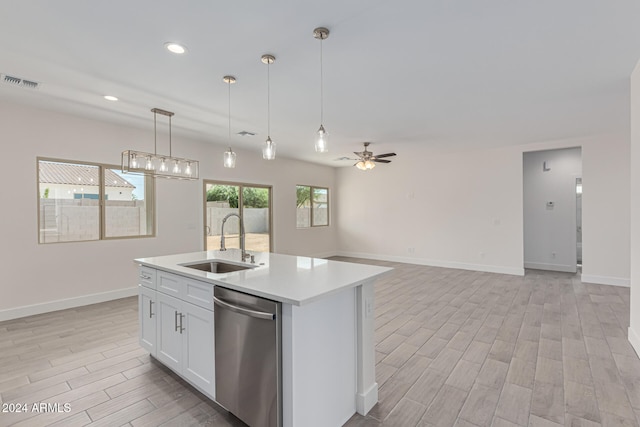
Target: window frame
{"points": [[240, 186], [311, 209], [150, 192]]}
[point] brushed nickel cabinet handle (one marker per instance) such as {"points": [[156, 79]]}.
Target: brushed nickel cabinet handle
{"points": [[175, 318], [181, 328], [150, 309]]}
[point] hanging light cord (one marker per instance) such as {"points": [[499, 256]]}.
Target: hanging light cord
{"points": [[268, 100], [155, 134], [321, 88], [229, 114], [169, 136]]}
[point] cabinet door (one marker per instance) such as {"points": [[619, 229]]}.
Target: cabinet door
{"points": [[198, 357], [169, 337], [147, 318]]}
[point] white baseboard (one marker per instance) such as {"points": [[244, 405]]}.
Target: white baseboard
{"points": [[63, 304], [634, 339], [367, 400], [606, 280], [515, 271], [550, 267], [324, 254]]}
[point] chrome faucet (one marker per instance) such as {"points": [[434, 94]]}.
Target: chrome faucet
{"points": [[244, 253]]}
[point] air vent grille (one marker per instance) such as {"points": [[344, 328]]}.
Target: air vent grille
{"points": [[18, 81]]}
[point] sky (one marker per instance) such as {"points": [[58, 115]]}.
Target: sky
{"points": [[134, 179]]}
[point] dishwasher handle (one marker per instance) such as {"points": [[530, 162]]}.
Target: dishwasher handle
{"points": [[245, 311]]}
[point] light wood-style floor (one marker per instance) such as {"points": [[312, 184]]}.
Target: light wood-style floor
{"points": [[453, 348]]}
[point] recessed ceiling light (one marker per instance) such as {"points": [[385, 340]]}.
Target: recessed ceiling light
{"points": [[175, 48], [110, 98]]}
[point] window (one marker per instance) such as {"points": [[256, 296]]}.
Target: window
{"points": [[312, 206], [70, 207], [251, 201]]}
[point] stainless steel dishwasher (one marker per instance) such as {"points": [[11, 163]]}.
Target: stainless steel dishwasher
{"points": [[248, 362]]}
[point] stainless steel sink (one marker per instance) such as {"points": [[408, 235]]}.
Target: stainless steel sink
{"points": [[218, 267]]}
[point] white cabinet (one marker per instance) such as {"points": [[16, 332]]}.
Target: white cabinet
{"points": [[146, 308], [176, 326], [197, 348], [147, 313], [169, 335]]}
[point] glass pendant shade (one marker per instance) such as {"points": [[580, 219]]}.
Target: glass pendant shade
{"points": [[229, 158], [269, 149], [322, 140], [229, 155], [159, 165]]}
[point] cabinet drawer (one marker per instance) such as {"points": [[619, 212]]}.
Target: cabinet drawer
{"points": [[147, 277], [199, 293], [171, 284]]}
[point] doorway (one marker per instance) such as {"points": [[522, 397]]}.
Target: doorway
{"points": [[579, 223], [252, 202], [552, 209]]}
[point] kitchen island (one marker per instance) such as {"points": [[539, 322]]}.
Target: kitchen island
{"points": [[327, 321]]}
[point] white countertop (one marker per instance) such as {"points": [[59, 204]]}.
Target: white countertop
{"points": [[289, 279]]}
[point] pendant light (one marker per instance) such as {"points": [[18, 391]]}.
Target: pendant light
{"points": [[229, 155], [322, 137], [159, 165], [269, 148]]}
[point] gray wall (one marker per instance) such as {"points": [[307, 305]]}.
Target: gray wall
{"points": [[68, 220], [255, 220]]}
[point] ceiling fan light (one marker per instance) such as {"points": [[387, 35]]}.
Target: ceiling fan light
{"points": [[360, 165], [369, 165]]}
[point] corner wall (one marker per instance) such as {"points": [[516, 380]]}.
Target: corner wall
{"points": [[39, 278]]}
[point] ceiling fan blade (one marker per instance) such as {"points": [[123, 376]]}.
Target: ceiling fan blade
{"points": [[381, 161], [384, 155]]}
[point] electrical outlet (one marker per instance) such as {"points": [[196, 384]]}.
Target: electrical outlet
{"points": [[481, 254], [553, 255], [411, 250]]}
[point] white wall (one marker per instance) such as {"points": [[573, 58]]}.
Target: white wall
{"points": [[463, 209], [60, 275], [634, 328], [550, 231], [455, 209]]}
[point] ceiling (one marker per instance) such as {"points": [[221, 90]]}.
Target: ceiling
{"points": [[445, 73]]}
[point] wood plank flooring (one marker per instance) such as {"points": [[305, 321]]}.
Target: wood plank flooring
{"points": [[454, 348]]}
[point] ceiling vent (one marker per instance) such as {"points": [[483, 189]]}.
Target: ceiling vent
{"points": [[246, 133], [17, 81]]}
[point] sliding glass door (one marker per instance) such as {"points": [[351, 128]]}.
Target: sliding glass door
{"points": [[252, 202]]}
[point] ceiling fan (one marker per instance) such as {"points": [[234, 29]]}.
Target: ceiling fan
{"points": [[367, 160]]}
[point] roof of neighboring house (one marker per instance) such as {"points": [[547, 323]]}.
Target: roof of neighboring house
{"points": [[68, 173]]}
